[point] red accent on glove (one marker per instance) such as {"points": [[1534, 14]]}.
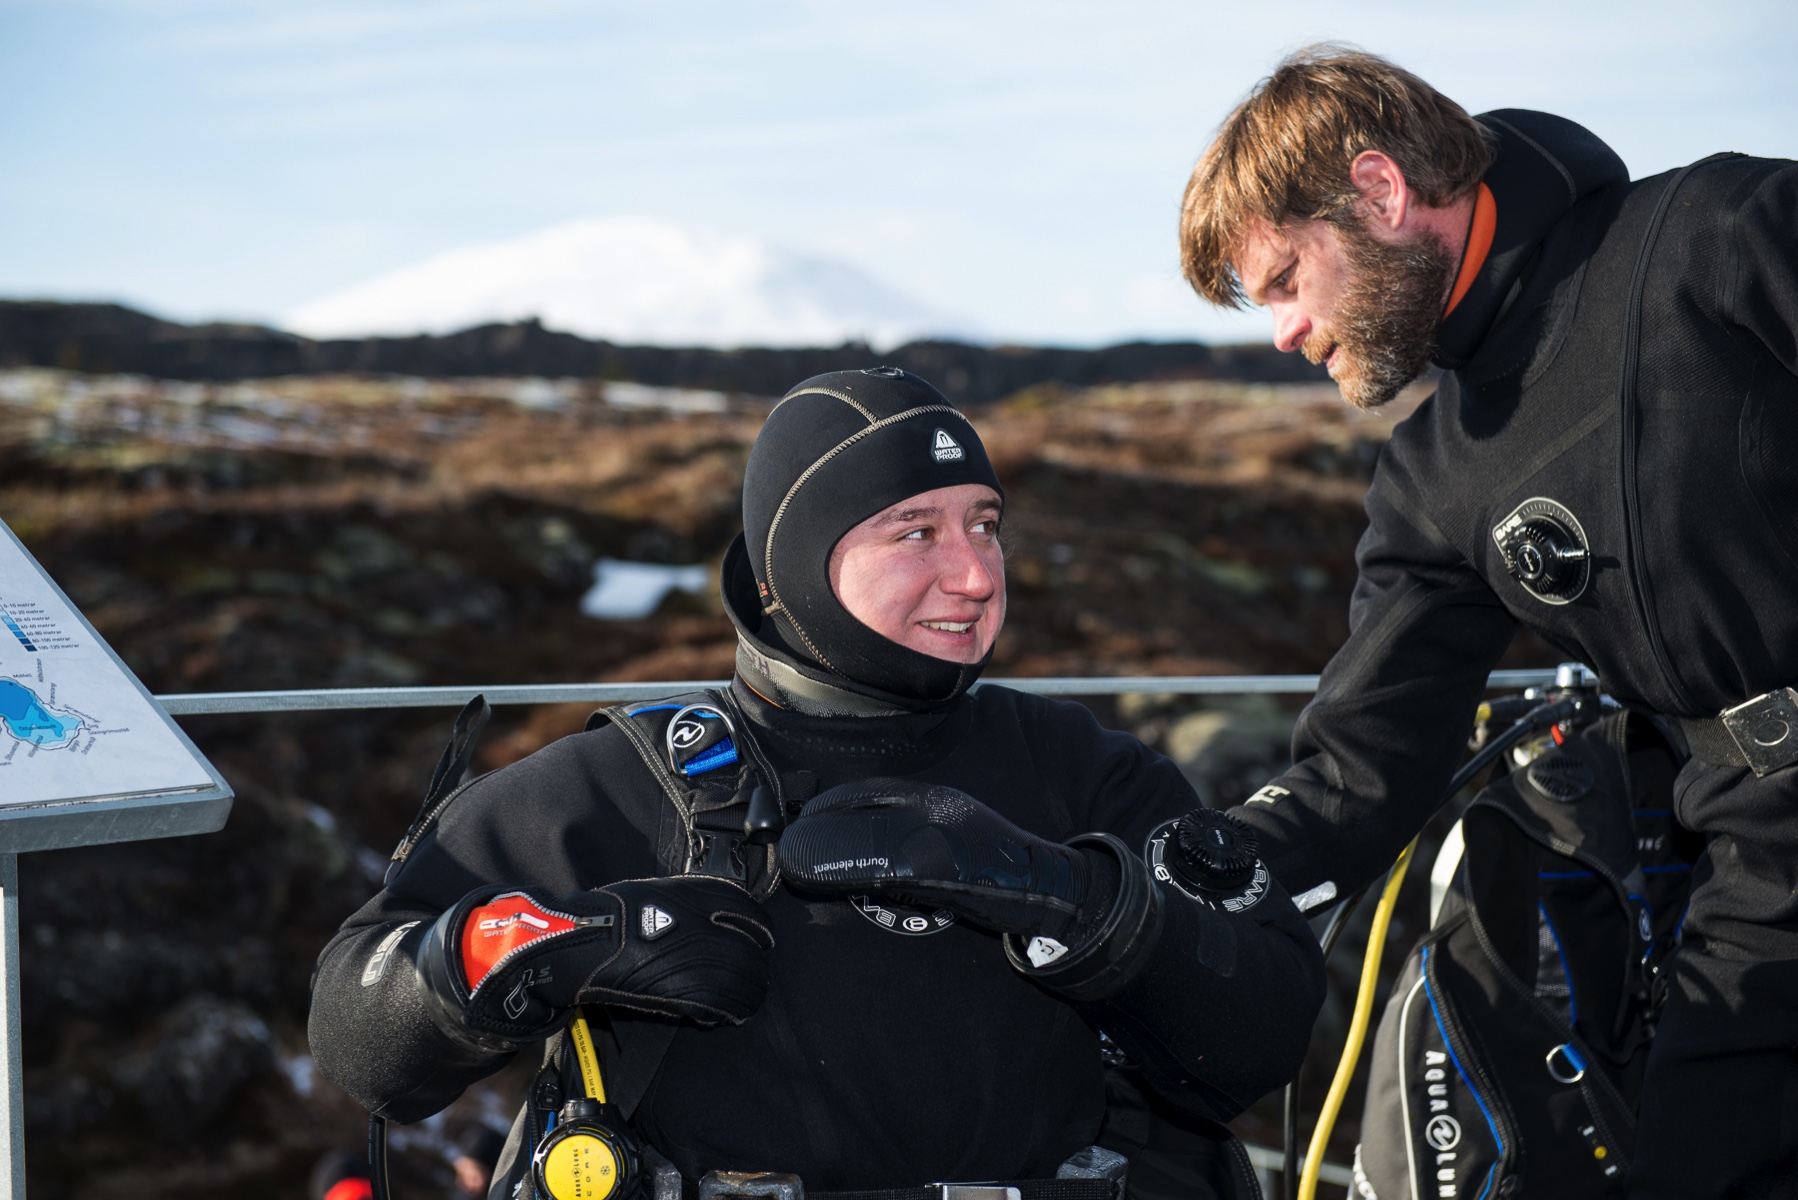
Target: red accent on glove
{"points": [[501, 926], [350, 1189]]}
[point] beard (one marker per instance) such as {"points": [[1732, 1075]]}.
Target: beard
{"points": [[1385, 323]]}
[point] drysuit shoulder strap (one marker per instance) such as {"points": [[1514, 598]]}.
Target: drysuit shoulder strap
{"points": [[728, 797], [680, 739], [688, 744]]}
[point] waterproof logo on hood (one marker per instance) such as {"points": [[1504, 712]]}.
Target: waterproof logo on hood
{"points": [[946, 449]]}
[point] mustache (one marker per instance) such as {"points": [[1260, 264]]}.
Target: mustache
{"points": [[1317, 345]]}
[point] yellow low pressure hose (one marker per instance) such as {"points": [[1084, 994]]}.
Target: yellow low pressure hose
{"points": [[1351, 1053], [587, 1057]]}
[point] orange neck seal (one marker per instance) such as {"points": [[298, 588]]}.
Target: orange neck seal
{"points": [[1479, 244]]}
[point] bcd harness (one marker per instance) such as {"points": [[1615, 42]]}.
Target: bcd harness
{"points": [[572, 1137], [1511, 1055]]}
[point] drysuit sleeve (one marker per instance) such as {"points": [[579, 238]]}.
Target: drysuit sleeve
{"points": [[563, 820], [1219, 1010], [1222, 1009], [1374, 750], [369, 1027]]}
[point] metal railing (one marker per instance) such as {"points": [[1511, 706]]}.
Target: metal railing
{"points": [[182, 704], [1266, 1160]]}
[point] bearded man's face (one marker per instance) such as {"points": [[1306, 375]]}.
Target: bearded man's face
{"points": [[1363, 306], [1385, 319]]}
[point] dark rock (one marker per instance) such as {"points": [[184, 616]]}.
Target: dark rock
{"points": [[97, 973], [99, 338], [191, 1062]]}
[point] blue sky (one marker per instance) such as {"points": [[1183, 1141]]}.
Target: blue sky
{"points": [[1017, 162]]}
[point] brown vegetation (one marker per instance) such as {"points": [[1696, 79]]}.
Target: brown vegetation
{"points": [[340, 531]]}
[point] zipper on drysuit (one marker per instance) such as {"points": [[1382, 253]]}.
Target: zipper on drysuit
{"points": [[1640, 586], [444, 788], [416, 834]]}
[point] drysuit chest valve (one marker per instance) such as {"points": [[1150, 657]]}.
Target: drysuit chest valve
{"points": [[1544, 549]]}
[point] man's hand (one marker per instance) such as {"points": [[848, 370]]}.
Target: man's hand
{"points": [[506, 964], [935, 846]]}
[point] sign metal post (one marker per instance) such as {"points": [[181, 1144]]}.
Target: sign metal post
{"points": [[12, 1099]]}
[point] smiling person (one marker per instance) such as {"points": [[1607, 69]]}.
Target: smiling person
{"points": [[846, 921], [1610, 460]]}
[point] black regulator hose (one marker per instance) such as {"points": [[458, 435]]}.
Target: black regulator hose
{"points": [[377, 1157]]}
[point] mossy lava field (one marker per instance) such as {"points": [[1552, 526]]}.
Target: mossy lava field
{"points": [[340, 531]]}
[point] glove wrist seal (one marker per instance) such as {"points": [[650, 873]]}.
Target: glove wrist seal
{"points": [[1111, 958], [446, 996]]}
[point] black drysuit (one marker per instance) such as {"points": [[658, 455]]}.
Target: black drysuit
{"points": [[880, 1058], [1630, 351]]}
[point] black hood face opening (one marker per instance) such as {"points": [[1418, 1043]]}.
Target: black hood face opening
{"points": [[838, 449]]}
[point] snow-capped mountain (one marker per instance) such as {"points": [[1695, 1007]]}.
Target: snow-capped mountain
{"points": [[633, 280]]}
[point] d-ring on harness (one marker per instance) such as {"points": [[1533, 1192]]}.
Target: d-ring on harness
{"points": [[1574, 1069], [692, 749]]}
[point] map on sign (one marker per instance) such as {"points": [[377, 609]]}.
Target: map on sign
{"points": [[75, 724]]}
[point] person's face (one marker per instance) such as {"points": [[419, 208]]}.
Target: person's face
{"points": [[1298, 272], [928, 572], [1362, 304], [471, 1176]]}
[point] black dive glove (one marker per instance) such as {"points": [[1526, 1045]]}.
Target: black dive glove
{"points": [[1081, 917], [504, 965]]}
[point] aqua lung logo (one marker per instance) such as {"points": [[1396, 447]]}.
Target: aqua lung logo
{"points": [[520, 995], [685, 733], [946, 449], [1442, 1132]]}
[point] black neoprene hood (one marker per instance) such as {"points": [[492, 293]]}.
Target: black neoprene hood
{"points": [[836, 450]]}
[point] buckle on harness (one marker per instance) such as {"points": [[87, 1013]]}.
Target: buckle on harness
{"points": [[1765, 729], [977, 1191], [750, 1185]]}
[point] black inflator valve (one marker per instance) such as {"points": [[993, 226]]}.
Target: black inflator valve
{"points": [[1212, 857]]}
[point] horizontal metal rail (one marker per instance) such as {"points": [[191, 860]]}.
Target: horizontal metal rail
{"points": [[1267, 1160], [182, 704]]}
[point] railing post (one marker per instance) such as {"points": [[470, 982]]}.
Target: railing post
{"points": [[12, 1098]]}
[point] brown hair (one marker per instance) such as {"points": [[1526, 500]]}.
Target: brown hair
{"points": [[1285, 153]]}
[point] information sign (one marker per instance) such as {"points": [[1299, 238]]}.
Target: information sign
{"points": [[86, 756]]}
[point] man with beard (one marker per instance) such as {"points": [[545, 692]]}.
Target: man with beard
{"points": [[1611, 460], [908, 984]]}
